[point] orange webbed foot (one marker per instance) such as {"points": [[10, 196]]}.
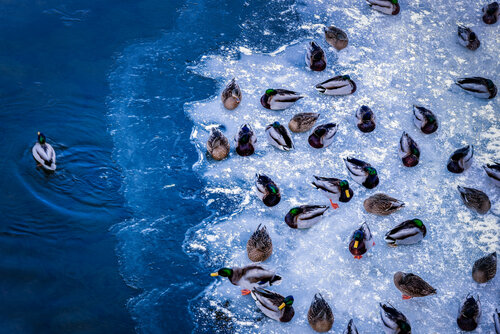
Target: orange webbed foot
{"points": [[405, 297], [245, 292], [334, 205]]}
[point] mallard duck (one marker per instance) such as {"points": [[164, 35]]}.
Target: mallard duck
{"points": [[425, 120], [361, 241], [335, 190], [382, 204], [320, 315], [496, 321], [475, 199], [388, 7], [412, 285], [279, 99], [231, 95], [493, 171], [274, 305], [351, 328], [315, 57], [479, 87], [469, 313], [491, 13], [408, 150], [407, 233], [394, 321], [249, 277], [339, 85], [267, 190], [366, 119], [260, 245], [217, 144], [305, 216], [279, 137], [468, 38], [322, 136], [336, 37], [245, 140], [485, 268], [44, 154], [461, 159], [362, 172], [303, 122]]}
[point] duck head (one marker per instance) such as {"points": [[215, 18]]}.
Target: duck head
{"points": [[404, 327], [287, 302], [273, 196], [430, 124], [41, 138], [345, 192], [371, 179], [224, 272], [291, 217], [315, 137], [264, 100]]}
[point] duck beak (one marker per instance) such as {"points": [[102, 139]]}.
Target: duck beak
{"points": [[38, 133], [281, 306], [356, 243], [214, 274], [347, 194]]}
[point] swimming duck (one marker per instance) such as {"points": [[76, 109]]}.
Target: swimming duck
{"points": [[322, 136], [336, 37], [479, 87], [425, 120], [412, 285], [491, 13], [394, 321], [485, 268], [408, 150], [496, 320], [493, 171], [245, 140], [249, 277], [320, 315], [351, 328], [366, 119], [407, 233], [382, 204], [279, 99], [315, 57], [468, 38], [339, 85], [217, 145], [274, 305], [388, 7], [362, 172], [267, 190], [361, 241], [461, 159], [335, 190], [231, 95], [303, 122], [305, 216], [279, 137], [260, 245], [475, 199], [469, 313], [44, 154]]}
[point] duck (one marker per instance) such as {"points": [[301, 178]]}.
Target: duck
{"points": [[461, 159], [366, 119], [274, 305], [496, 321], [388, 7], [303, 122], [44, 154], [407, 233], [267, 190], [493, 171], [394, 321], [361, 241], [279, 99], [491, 13], [322, 136], [245, 140], [217, 145], [412, 285], [305, 216], [320, 315], [336, 37], [475, 199], [315, 57], [351, 328], [408, 150], [231, 95], [382, 204], [362, 172], [485, 268], [468, 38], [339, 85], [425, 120], [260, 245], [249, 277], [478, 86], [334, 189], [279, 137], [469, 313]]}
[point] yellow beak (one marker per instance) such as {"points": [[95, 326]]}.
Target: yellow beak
{"points": [[347, 194], [214, 274], [281, 306], [356, 243], [38, 133]]}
